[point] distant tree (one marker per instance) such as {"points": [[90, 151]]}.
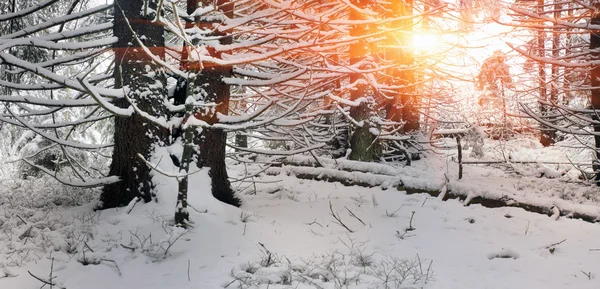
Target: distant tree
{"points": [[494, 74], [46, 47], [566, 56]]}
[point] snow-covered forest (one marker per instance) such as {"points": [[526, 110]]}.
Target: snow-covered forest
{"points": [[323, 144]]}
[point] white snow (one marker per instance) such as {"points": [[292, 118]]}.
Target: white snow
{"points": [[284, 236]]}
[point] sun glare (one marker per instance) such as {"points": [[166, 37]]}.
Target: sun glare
{"points": [[424, 41]]}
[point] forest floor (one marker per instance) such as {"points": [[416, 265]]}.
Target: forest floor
{"points": [[291, 233]]}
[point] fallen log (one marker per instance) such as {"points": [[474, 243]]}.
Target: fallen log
{"points": [[505, 201], [346, 178], [522, 162], [370, 180], [342, 165]]}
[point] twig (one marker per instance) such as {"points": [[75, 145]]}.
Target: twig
{"points": [[116, 266], [394, 213], [188, 271], [135, 201], [353, 215], [423, 204], [429, 269], [40, 279], [171, 243], [314, 222], [88, 246], [51, 272], [21, 219], [164, 173], [319, 164], [46, 282], [230, 283], [589, 274], [269, 255], [198, 211], [410, 226], [26, 235], [401, 236], [337, 218], [253, 175], [127, 247], [554, 244]]}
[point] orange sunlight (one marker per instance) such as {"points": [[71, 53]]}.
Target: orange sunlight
{"points": [[423, 41]]}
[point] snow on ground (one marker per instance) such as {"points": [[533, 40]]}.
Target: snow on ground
{"points": [[447, 245], [533, 175]]}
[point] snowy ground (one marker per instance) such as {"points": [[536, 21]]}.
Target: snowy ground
{"points": [[448, 245]]}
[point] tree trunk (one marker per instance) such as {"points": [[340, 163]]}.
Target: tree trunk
{"points": [[135, 134], [568, 78], [182, 215], [595, 82], [555, 75], [546, 135], [213, 155], [362, 142], [213, 141], [403, 107], [364, 145], [241, 137], [395, 54], [338, 145], [241, 140], [408, 96], [209, 86]]}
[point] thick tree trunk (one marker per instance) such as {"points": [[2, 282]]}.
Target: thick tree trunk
{"points": [[210, 87], [404, 106], [362, 142], [213, 141], [365, 147], [213, 150], [135, 134], [408, 97], [595, 82]]}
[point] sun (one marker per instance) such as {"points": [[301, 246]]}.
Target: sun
{"points": [[425, 41]]}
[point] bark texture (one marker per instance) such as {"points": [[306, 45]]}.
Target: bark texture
{"points": [[210, 88], [135, 134]]}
